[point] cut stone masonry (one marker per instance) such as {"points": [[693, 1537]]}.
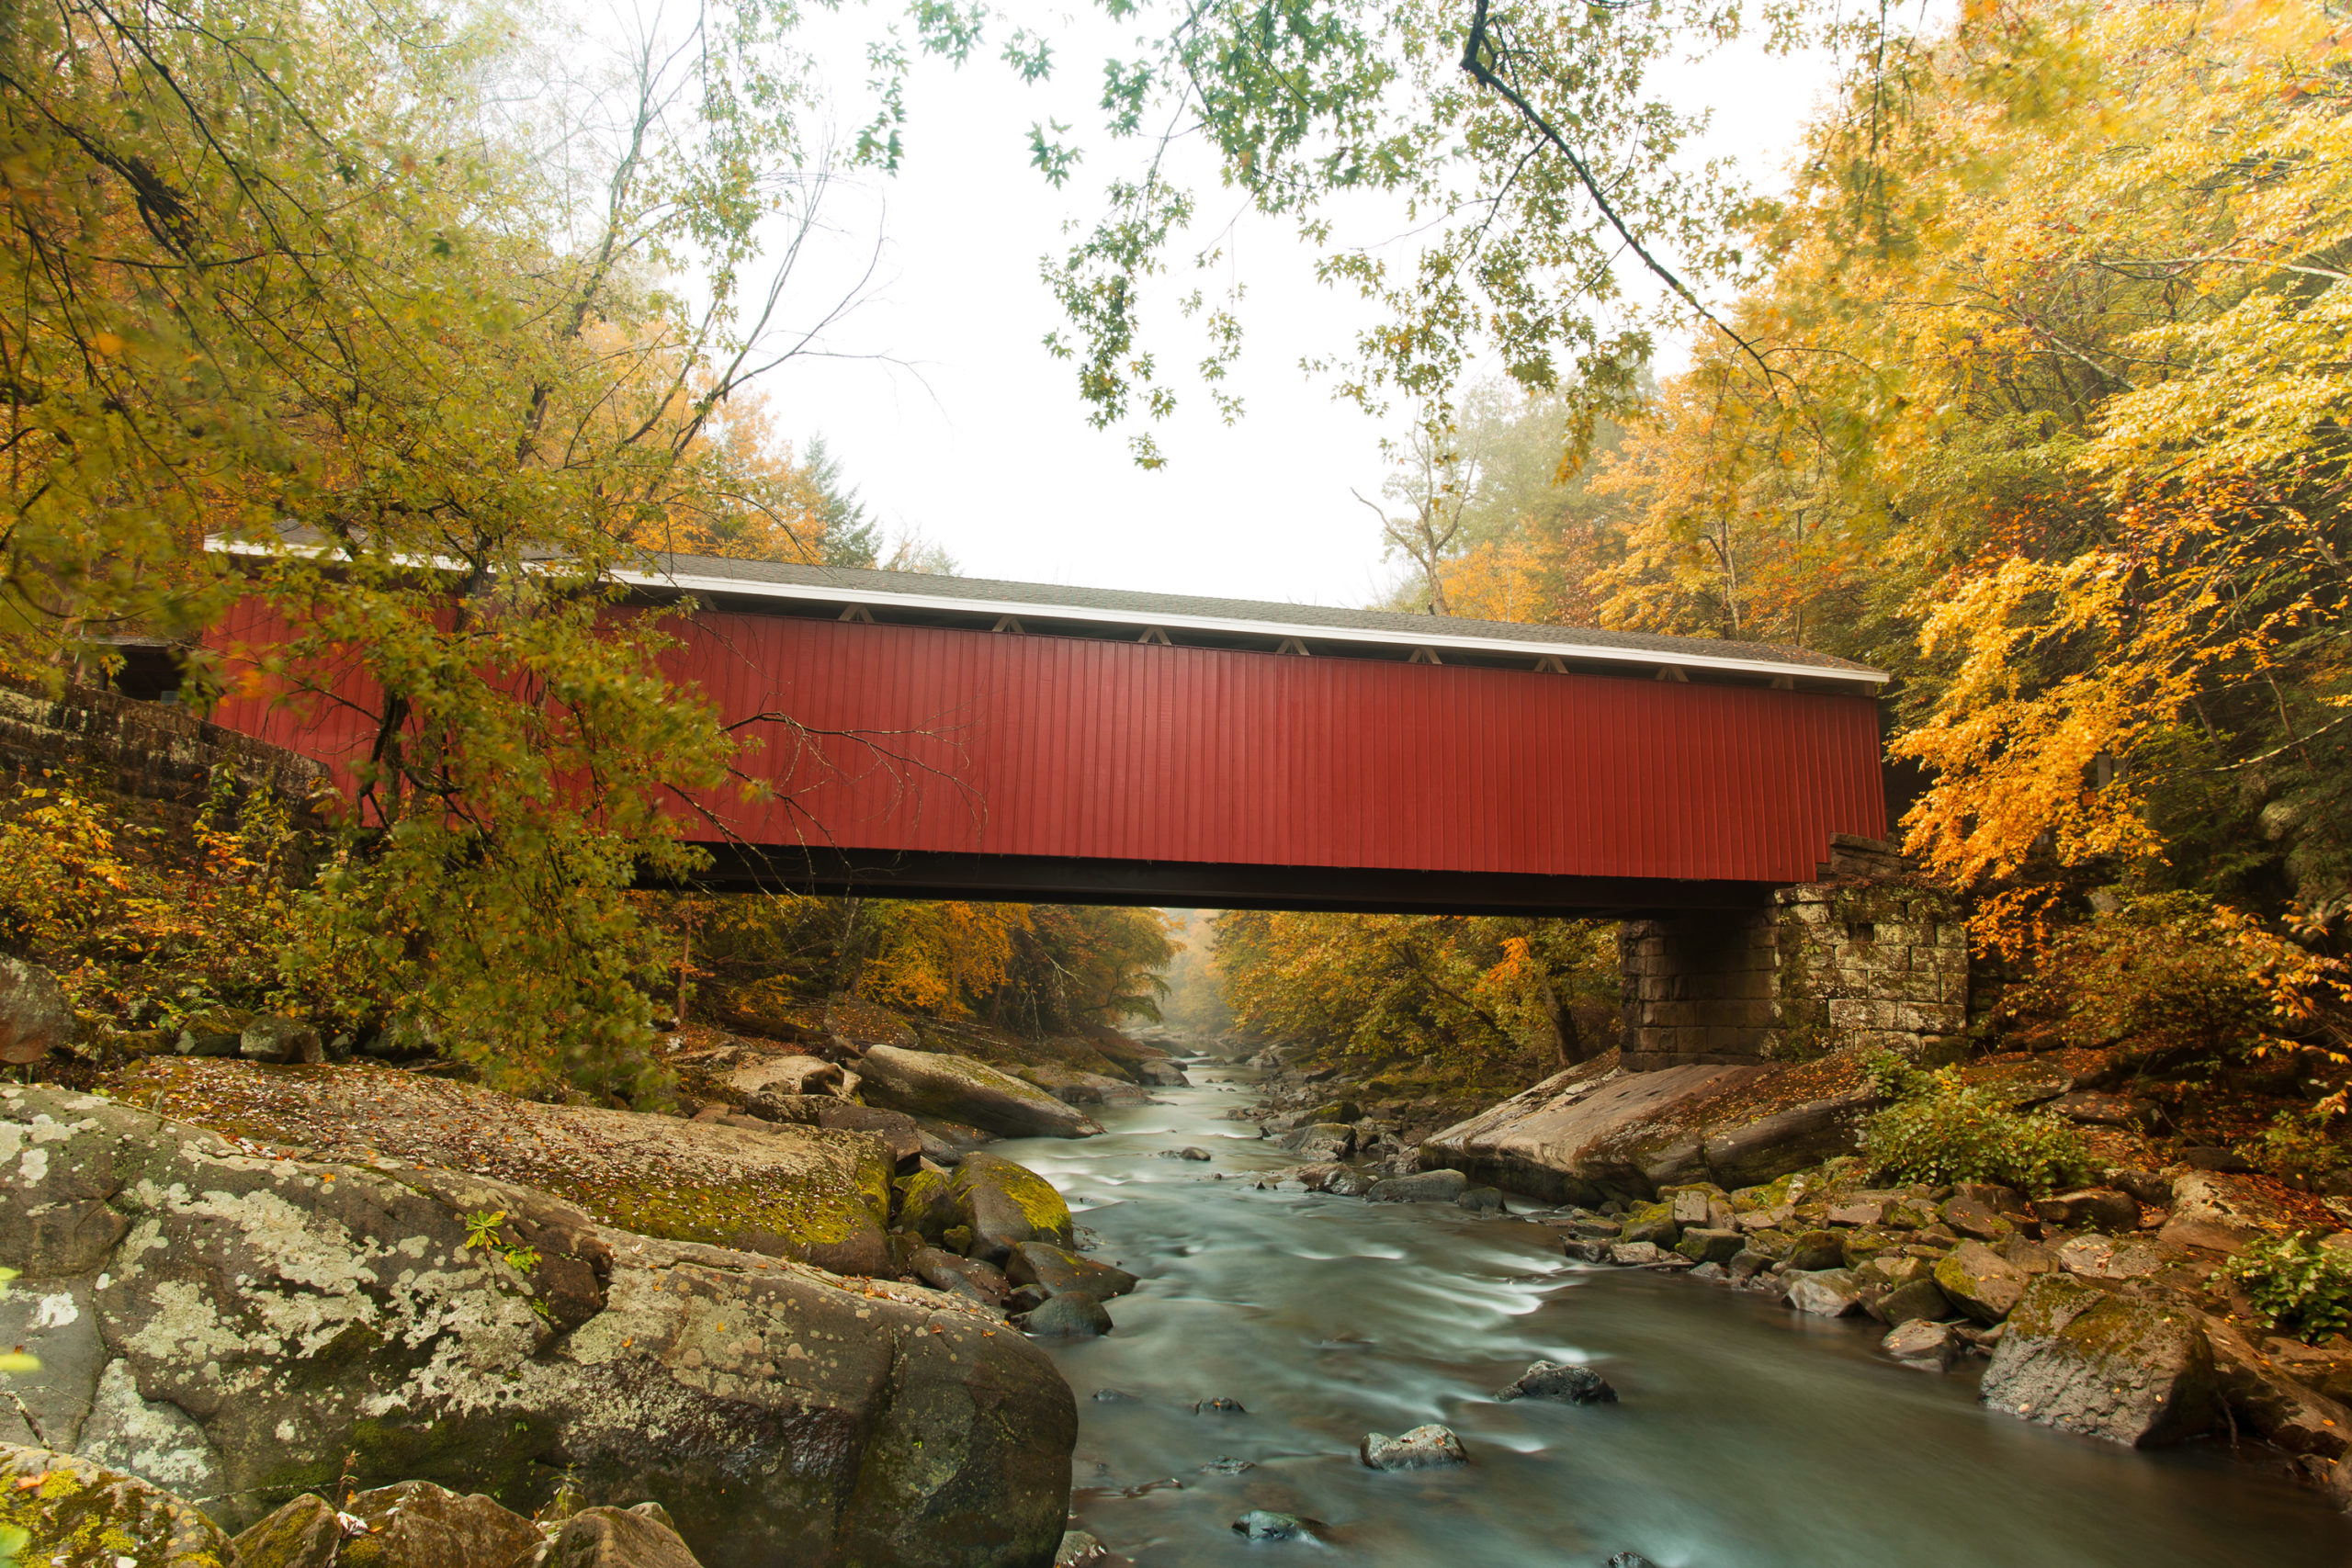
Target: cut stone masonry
{"points": [[1865, 955]]}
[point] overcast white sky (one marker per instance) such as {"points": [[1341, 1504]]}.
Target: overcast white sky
{"points": [[963, 426]]}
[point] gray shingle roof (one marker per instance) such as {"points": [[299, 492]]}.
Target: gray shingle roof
{"points": [[851, 585]]}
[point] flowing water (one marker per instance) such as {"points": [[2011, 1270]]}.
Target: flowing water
{"points": [[1746, 1434]]}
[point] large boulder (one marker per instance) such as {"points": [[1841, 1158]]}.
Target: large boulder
{"points": [[413, 1524], [957, 1089], [2131, 1369], [999, 1204], [260, 1319], [80, 1514], [803, 1193], [2265, 1400], [1321, 1140], [1771, 1146], [36, 1015], [1579, 1136], [1072, 1086], [1421, 1186], [274, 1037], [779, 1075]]}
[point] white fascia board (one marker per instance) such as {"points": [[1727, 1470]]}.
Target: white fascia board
{"points": [[836, 595]]}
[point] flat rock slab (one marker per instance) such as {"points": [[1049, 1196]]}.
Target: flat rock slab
{"points": [[808, 1194], [1556, 1141], [957, 1089]]}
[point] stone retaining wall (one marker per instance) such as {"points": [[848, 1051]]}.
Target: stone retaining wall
{"points": [[152, 753]]}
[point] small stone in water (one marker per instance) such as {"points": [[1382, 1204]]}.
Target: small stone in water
{"points": [[1631, 1560], [1423, 1448], [1113, 1396], [1073, 1313], [1188, 1152], [1259, 1524], [1225, 1464], [1219, 1407], [1553, 1379]]}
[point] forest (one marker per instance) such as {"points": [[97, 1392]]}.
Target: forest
{"points": [[2030, 389]]}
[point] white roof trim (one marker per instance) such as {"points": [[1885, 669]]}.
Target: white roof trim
{"points": [[833, 594]]}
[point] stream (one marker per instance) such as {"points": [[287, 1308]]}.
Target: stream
{"points": [[1746, 1434]]}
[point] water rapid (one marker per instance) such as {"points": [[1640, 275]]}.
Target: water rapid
{"points": [[1746, 1434]]}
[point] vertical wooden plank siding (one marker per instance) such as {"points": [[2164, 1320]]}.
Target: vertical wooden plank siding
{"points": [[1044, 745]]}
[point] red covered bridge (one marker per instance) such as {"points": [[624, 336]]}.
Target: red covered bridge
{"points": [[1022, 741]]}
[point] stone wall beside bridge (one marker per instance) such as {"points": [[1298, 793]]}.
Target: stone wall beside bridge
{"points": [[1864, 956]]}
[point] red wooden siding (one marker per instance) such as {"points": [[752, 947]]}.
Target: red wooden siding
{"points": [[1068, 747]]}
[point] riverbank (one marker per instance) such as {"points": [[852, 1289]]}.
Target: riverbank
{"points": [[1743, 1433]]}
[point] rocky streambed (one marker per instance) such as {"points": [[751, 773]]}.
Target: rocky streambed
{"points": [[1276, 1330]]}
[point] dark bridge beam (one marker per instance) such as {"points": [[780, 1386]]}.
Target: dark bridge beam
{"points": [[1049, 879]]}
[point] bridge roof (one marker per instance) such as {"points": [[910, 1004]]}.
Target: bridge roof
{"points": [[922, 599]]}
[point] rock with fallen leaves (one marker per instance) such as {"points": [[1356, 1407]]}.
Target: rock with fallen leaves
{"points": [[75, 1514], [268, 1325], [811, 1194]]}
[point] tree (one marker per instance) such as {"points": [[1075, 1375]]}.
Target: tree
{"points": [[356, 293], [852, 538]]}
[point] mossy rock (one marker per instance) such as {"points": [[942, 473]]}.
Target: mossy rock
{"points": [[80, 1514], [995, 1202]]}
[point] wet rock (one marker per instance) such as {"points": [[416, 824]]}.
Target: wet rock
{"points": [[36, 1015], [971, 1277], [1636, 1254], [1480, 1198], [1651, 1223], [1555, 1380], [1584, 1249], [1187, 1152], [1219, 1407], [1428, 1447], [1113, 1396], [273, 1037], [616, 1538], [2092, 1208], [1827, 1292], [1321, 1140], [1421, 1186], [2129, 1370], [260, 1344], [1917, 1342], [1746, 1265], [1980, 1281], [1702, 1246], [1057, 1270], [1225, 1464], [1002, 1204], [958, 1088], [1260, 1524], [1162, 1075], [1630, 1560], [1080, 1550], [1073, 1314]]}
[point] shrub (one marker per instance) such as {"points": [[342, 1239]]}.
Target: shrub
{"points": [[1941, 1130], [2296, 1145], [2304, 1285]]}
